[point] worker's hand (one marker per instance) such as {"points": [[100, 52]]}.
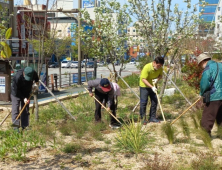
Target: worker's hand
{"points": [[91, 94], [25, 100], [154, 89], [154, 81], [108, 109]]}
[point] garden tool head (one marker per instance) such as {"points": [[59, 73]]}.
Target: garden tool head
{"points": [[35, 88]]}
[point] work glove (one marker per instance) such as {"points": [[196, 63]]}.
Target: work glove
{"points": [[154, 81], [25, 100], [91, 94], [154, 89]]}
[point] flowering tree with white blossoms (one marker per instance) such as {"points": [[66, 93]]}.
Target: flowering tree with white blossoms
{"points": [[163, 26], [108, 36]]}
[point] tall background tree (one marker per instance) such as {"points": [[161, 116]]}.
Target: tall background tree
{"points": [[108, 36], [164, 26]]}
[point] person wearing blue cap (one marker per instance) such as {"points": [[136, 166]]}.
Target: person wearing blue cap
{"points": [[103, 91], [20, 92]]}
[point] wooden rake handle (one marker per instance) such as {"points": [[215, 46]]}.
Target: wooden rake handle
{"points": [[104, 107], [185, 111], [24, 107], [158, 99]]}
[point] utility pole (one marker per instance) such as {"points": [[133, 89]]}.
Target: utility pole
{"points": [[95, 57], [79, 44]]}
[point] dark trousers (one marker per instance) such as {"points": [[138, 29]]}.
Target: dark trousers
{"points": [[212, 112], [99, 96], [144, 94], [15, 112]]}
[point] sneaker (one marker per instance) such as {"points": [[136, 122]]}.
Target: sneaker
{"points": [[114, 126], [144, 122], [154, 120]]}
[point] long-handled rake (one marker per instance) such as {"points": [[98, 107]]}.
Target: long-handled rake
{"points": [[104, 107], [22, 109], [185, 111], [158, 99], [5, 118]]}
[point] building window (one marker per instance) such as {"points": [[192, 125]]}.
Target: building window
{"points": [[217, 34], [218, 25], [134, 30], [134, 36], [218, 17], [128, 30], [218, 8]]}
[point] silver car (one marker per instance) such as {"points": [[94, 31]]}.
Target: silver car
{"points": [[74, 64]]}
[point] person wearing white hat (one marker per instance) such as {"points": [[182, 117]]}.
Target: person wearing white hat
{"points": [[211, 84]]}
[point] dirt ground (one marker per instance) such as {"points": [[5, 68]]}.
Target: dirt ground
{"points": [[100, 155]]}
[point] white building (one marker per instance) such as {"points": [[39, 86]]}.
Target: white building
{"points": [[218, 22], [136, 39]]}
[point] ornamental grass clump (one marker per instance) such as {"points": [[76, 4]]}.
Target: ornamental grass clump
{"points": [[169, 131], [132, 137], [205, 137], [185, 127]]}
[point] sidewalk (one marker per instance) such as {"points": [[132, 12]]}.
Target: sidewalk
{"points": [[44, 98]]}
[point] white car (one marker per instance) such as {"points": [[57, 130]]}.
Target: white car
{"points": [[65, 64], [74, 64]]}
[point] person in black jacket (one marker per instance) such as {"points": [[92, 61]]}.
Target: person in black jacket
{"points": [[20, 92]]}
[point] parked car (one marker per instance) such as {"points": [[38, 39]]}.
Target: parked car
{"points": [[100, 64], [53, 65], [90, 64], [132, 61], [65, 64], [74, 64]]}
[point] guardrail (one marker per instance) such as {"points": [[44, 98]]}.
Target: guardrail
{"points": [[67, 79]]}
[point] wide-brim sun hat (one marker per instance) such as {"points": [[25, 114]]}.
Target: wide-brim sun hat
{"points": [[202, 57]]}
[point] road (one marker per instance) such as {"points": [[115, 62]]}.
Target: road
{"points": [[100, 70]]}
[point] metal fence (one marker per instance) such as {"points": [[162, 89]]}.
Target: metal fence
{"points": [[67, 79]]}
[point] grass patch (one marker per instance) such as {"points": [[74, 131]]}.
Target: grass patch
{"points": [[71, 148], [132, 137], [168, 131]]}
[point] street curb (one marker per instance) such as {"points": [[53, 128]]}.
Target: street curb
{"points": [[59, 98]]}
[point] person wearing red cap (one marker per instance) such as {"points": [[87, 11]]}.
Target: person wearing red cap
{"points": [[103, 91]]}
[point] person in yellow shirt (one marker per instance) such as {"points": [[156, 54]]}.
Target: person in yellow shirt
{"points": [[150, 75]]}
